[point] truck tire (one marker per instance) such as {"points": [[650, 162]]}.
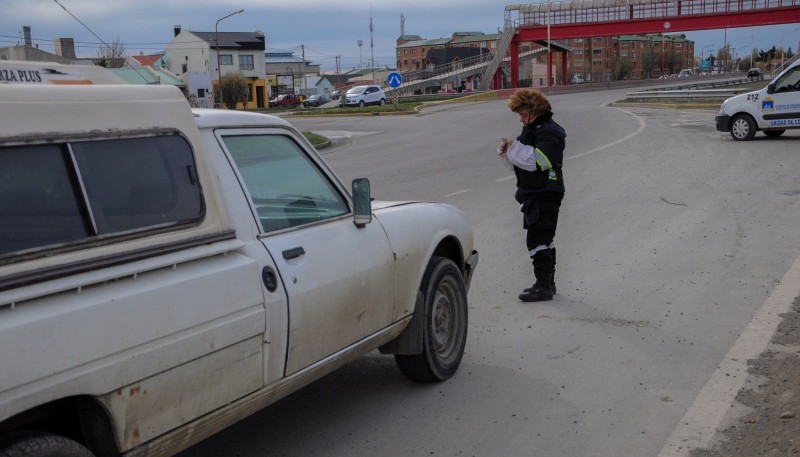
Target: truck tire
{"points": [[38, 444], [445, 326], [774, 133], [743, 128]]}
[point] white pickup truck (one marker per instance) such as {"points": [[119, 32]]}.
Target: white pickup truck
{"points": [[166, 272], [772, 110]]}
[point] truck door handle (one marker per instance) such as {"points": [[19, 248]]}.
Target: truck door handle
{"points": [[293, 253]]}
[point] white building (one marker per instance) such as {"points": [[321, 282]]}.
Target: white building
{"points": [[193, 52]]}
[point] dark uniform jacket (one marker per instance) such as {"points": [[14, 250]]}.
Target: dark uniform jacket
{"points": [[547, 139]]}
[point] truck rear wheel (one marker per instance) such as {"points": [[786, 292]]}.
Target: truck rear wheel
{"points": [[743, 128], [445, 326], [38, 444]]}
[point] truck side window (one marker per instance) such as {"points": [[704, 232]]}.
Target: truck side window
{"points": [[287, 188], [38, 205], [139, 182], [52, 194]]}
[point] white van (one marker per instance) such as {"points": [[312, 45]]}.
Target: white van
{"points": [[772, 110]]}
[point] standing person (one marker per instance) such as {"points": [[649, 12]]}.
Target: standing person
{"points": [[536, 157]]}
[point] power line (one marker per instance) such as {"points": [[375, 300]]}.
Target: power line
{"points": [[81, 23]]}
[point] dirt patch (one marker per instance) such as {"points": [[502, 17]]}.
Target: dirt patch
{"points": [[770, 421]]}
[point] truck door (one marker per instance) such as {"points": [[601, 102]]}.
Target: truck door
{"points": [[339, 279], [781, 108]]}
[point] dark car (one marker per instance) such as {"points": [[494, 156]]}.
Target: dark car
{"points": [[285, 100], [755, 73], [316, 100]]}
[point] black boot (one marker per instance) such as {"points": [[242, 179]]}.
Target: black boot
{"points": [[536, 293], [543, 269], [553, 274]]}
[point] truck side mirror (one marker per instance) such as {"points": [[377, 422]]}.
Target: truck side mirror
{"points": [[362, 202]]}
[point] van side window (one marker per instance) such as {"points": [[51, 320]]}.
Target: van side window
{"points": [[52, 194]]}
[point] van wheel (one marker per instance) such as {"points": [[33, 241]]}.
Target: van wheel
{"points": [[445, 328], [38, 444], [774, 133], [743, 127]]}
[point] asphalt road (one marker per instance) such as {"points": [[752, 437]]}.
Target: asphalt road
{"points": [[671, 238]]}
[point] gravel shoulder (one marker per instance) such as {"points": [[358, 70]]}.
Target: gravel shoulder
{"points": [[765, 421]]}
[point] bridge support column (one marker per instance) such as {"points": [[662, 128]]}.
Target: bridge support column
{"points": [[564, 61], [513, 53]]}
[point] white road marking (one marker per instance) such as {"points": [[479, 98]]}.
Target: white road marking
{"points": [[456, 193]]}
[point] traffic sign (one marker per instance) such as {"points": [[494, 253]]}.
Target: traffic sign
{"points": [[394, 79]]}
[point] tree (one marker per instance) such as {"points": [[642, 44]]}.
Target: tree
{"points": [[724, 56], [112, 56], [621, 69], [672, 60], [234, 89], [650, 61]]}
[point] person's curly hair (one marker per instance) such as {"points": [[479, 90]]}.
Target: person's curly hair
{"points": [[530, 100]]}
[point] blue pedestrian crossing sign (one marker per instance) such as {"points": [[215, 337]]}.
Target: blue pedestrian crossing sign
{"points": [[394, 79]]}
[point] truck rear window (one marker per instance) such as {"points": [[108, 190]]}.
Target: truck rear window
{"points": [[57, 193]]}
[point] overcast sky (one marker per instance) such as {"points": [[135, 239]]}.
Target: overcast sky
{"points": [[324, 28]]}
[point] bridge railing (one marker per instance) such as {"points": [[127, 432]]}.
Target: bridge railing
{"points": [[593, 11]]}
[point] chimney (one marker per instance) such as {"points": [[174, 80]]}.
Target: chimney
{"points": [[177, 29], [65, 47], [26, 32]]}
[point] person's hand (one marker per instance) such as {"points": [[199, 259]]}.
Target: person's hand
{"points": [[503, 147]]}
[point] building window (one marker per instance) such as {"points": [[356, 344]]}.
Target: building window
{"points": [[246, 62], [578, 52], [225, 59], [623, 53], [579, 63], [596, 40], [578, 40]]}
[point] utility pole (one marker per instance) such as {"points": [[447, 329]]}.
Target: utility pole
{"points": [[371, 42], [303, 72], [360, 59]]}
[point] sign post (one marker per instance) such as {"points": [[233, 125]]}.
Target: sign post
{"points": [[394, 79]]}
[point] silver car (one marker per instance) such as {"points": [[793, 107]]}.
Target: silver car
{"points": [[364, 95]]}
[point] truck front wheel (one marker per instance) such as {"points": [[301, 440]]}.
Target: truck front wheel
{"points": [[445, 325], [743, 127], [37, 444]]}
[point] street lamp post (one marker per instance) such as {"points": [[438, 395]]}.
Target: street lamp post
{"points": [[219, 70]]}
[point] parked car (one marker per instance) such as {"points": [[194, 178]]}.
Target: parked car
{"points": [[168, 271], [772, 110], [286, 100], [316, 100], [363, 95], [755, 73], [685, 73]]}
